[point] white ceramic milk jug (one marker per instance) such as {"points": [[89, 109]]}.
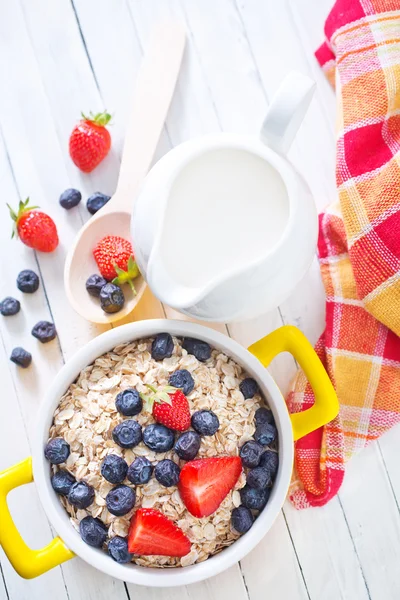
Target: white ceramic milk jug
{"points": [[224, 227]]}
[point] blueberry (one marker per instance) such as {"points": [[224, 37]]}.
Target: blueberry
{"points": [[81, 494], [120, 500], [253, 498], [162, 346], [270, 461], [242, 519], [205, 422], [129, 403], [259, 478], [263, 415], [57, 451], [96, 201], [201, 350], [70, 198], [27, 281], [44, 331], [127, 434], [248, 387], [9, 306], [94, 283], [265, 433], [112, 298], [118, 549], [93, 532], [182, 379], [188, 445], [140, 471], [158, 438], [250, 453], [62, 481], [21, 357], [114, 468], [167, 472]]}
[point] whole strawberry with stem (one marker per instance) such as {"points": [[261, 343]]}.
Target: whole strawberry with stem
{"points": [[34, 228], [90, 141], [114, 257], [169, 406]]}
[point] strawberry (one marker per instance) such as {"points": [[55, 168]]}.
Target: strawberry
{"points": [[150, 532], [90, 141], [34, 228], [114, 257], [204, 483], [169, 406]]}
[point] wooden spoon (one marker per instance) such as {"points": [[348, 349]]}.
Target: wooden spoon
{"points": [[153, 94]]}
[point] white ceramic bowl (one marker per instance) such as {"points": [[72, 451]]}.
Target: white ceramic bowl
{"points": [[30, 563]]}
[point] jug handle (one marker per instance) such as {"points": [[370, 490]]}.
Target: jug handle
{"points": [[287, 111]]}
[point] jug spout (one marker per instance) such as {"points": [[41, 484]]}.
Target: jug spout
{"points": [[168, 290]]}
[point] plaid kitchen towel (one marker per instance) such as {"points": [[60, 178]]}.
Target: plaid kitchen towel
{"points": [[358, 248]]}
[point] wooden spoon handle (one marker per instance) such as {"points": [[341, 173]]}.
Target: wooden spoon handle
{"points": [[152, 97]]}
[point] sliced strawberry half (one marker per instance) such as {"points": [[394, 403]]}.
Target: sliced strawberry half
{"points": [[152, 533], [205, 483]]}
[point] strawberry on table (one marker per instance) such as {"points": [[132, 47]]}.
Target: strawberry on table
{"points": [[205, 483], [114, 257], [169, 406], [34, 228], [152, 533], [90, 141]]}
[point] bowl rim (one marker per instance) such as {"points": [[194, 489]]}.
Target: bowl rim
{"points": [[149, 576]]}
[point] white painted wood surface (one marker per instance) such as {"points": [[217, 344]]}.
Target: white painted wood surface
{"points": [[58, 58]]}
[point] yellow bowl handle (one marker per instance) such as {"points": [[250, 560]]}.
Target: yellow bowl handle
{"points": [[326, 405], [27, 562]]}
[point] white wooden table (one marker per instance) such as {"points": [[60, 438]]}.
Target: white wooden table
{"points": [[60, 57]]}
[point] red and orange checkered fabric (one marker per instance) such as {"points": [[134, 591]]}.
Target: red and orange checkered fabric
{"points": [[358, 248]]}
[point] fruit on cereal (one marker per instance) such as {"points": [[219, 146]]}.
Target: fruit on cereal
{"points": [[81, 494], [57, 451], [94, 283], [140, 471], [169, 406], [250, 453], [270, 460], [265, 433], [205, 483], [128, 402], [62, 481], [152, 533], [114, 468], [118, 549], [27, 281], [183, 380], [259, 478], [90, 141], [242, 519], [162, 346], [70, 198], [205, 422], [127, 434], [21, 357], [253, 498], [9, 306], [158, 437], [167, 472], [248, 387], [44, 331], [201, 350], [188, 445], [263, 415], [114, 257], [120, 500], [34, 228], [93, 532], [96, 201]]}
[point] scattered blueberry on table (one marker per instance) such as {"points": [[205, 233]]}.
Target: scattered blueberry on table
{"points": [[248, 387], [128, 402], [81, 494], [140, 471], [44, 331], [183, 380], [200, 350], [112, 298], [250, 453], [120, 500], [127, 434], [162, 346], [70, 198], [9, 306], [96, 201], [117, 548], [158, 437], [27, 281], [205, 422], [242, 519], [265, 434], [259, 478], [188, 445], [94, 283], [264, 415], [62, 481], [93, 532], [57, 451], [167, 472], [114, 468], [21, 357], [253, 498]]}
